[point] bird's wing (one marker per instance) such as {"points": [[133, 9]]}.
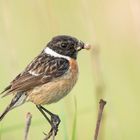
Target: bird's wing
{"points": [[38, 72]]}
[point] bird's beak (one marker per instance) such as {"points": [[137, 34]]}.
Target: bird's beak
{"points": [[82, 45]]}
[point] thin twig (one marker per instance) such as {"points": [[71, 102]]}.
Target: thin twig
{"points": [[28, 123], [101, 107], [53, 136]]}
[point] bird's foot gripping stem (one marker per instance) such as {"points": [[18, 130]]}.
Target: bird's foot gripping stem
{"points": [[54, 122]]}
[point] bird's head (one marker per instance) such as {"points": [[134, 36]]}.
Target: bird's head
{"points": [[66, 45]]}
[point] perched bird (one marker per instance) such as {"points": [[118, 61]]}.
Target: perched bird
{"points": [[48, 78]]}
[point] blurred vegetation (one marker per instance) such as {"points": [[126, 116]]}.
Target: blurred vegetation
{"points": [[112, 73]]}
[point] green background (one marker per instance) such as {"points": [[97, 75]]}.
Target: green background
{"points": [[109, 71]]}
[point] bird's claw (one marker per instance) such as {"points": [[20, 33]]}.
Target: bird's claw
{"points": [[44, 133], [50, 134], [55, 121]]}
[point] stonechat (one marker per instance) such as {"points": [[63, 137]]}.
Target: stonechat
{"points": [[48, 78]]}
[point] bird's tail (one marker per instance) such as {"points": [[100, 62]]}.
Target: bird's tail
{"points": [[7, 109], [18, 99]]}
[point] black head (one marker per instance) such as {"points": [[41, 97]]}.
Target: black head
{"points": [[66, 45]]}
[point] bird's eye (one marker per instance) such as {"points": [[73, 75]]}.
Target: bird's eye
{"points": [[64, 45]]}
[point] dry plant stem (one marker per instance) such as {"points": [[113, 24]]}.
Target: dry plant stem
{"points": [[101, 107], [28, 123], [51, 134]]}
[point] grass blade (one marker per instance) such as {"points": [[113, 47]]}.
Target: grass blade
{"points": [[74, 130]]}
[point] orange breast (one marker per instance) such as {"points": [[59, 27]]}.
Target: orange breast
{"points": [[73, 65], [57, 89]]}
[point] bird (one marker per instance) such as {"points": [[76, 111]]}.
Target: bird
{"points": [[47, 78]]}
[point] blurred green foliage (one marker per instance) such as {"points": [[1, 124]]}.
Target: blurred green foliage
{"points": [[113, 73]]}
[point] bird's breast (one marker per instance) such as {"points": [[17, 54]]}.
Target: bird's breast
{"points": [[56, 89]]}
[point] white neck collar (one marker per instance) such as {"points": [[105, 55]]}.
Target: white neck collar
{"points": [[55, 54]]}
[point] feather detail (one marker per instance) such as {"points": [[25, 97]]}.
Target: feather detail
{"points": [[41, 70], [18, 99]]}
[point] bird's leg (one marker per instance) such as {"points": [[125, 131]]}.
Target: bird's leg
{"points": [[46, 117], [54, 121]]}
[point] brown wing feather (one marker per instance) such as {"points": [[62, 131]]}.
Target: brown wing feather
{"points": [[44, 71], [25, 82], [6, 89]]}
